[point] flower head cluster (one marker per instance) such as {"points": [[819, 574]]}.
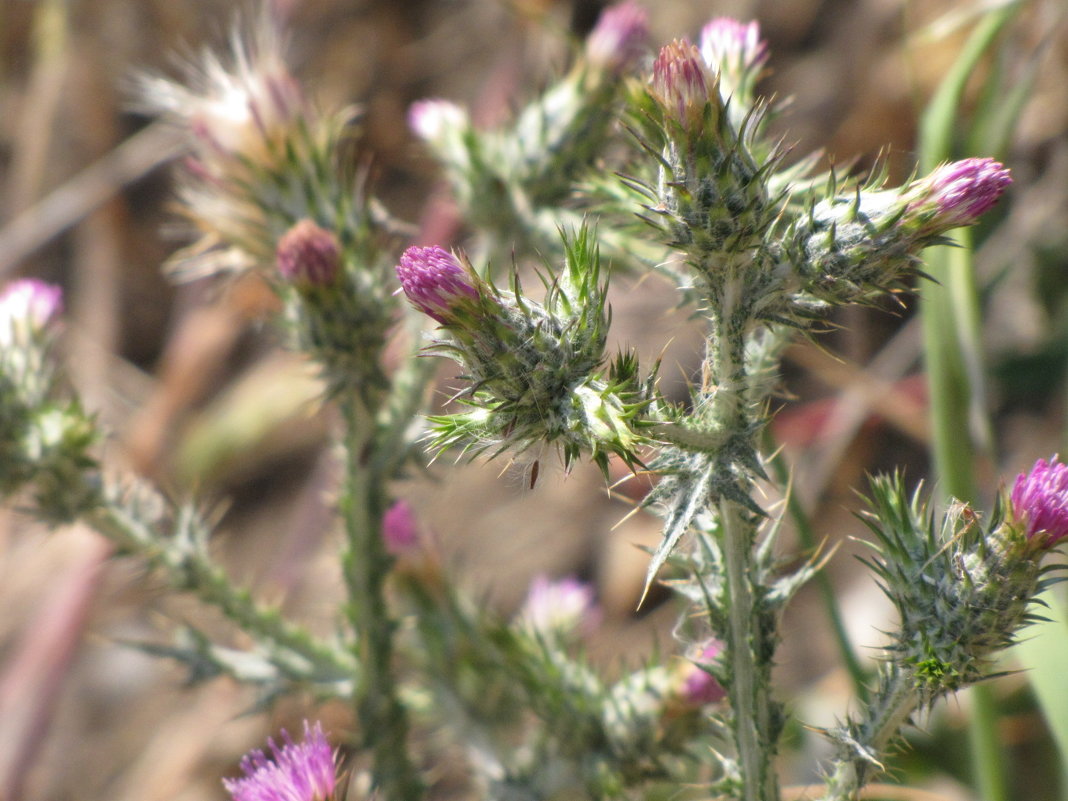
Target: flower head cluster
{"points": [[303, 772], [1040, 499], [856, 244], [533, 367], [435, 281], [619, 38]]}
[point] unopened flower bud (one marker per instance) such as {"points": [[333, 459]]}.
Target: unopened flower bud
{"points": [[699, 686], [304, 772], [435, 281], [308, 255], [399, 531], [27, 306], [958, 193], [562, 606], [682, 83], [731, 47], [619, 38], [1040, 499], [432, 119]]}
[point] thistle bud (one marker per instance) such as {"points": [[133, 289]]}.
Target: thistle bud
{"points": [[619, 38], [735, 52], [399, 531], [432, 120], [435, 282], [308, 255], [559, 607], [958, 193], [27, 307], [682, 83], [304, 772], [1040, 500], [733, 47], [699, 686]]}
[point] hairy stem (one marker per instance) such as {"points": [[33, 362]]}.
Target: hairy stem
{"points": [[726, 384], [689, 439], [889, 710], [751, 718], [383, 719], [189, 569]]}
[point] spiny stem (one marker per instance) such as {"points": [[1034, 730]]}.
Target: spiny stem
{"points": [[750, 725], [690, 439], [725, 383], [192, 571], [889, 709], [383, 719]]}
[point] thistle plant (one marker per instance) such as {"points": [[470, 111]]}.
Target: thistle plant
{"points": [[762, 250]]}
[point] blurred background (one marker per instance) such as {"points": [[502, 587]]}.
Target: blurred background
{"points": [[200, 398]]}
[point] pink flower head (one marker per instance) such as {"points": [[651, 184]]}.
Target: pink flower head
{"points": [[1041, 499], [302, 772], [733, 47], [682, 82], [27, 306], [434, 281], [619, 38], [962, 191], [699, 687], [308, 254], [432, 119], [399, 531], [560, 606]]}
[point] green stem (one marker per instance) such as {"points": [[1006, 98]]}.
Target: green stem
{"points": [[748, 691], [689, 439], [953, 358], [725, 384], [894, 702], [383, 719], [190, 570], [984, 742], [404, 404]]}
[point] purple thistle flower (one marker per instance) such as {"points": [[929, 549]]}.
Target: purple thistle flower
{"points": [[962, 191], [435, 281], [733, 47], [399, 531], [302, 772], [699, 687], [27, 305], [682, 82], [308, 254], [619, 38], [1041, 499]]}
